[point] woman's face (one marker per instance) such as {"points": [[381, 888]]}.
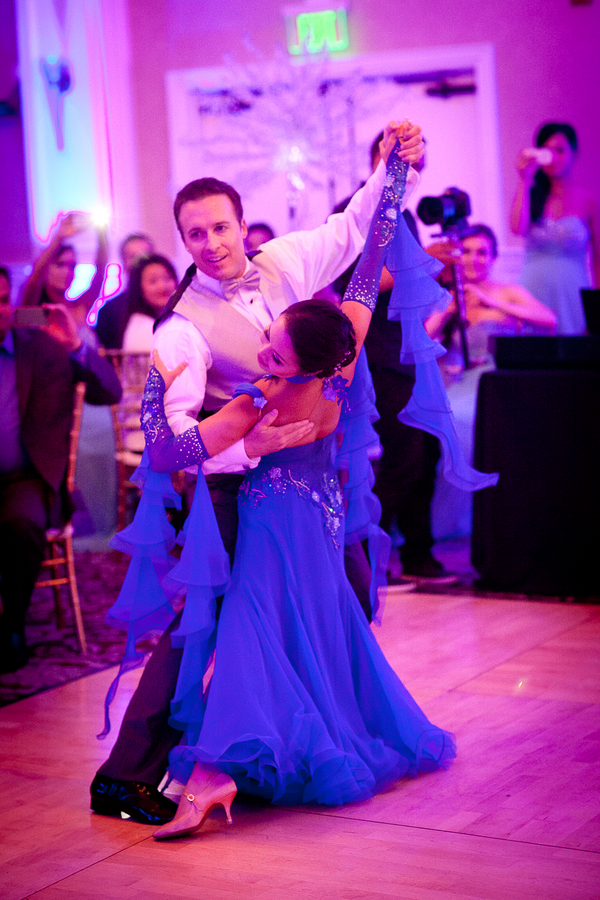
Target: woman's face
{"points": [[563, 156], [276, 355], [61, 271], [157, 285], [477, 258]]}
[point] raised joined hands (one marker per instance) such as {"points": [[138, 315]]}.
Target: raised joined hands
{"points": [[411, 141]]}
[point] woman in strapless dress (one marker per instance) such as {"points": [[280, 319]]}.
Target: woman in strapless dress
{"points": [[561, 225]]}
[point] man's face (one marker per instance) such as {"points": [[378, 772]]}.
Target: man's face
{"points": [[133, 250], [214, 237], [5, 308]]}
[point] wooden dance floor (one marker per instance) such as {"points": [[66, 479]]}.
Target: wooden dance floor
{"points": [[515, 818]]}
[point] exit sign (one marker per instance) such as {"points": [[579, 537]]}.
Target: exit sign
{"points": [[317, 30]]}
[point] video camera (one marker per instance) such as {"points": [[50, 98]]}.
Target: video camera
{"points": [[450, 210]]}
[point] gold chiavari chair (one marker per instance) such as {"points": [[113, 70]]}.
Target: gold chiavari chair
{"points": [[58, 568]]}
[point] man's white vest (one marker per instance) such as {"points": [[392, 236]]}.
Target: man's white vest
{"points": [[234, 341]]}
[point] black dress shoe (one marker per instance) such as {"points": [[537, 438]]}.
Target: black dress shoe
{"points": [[13, 651], [142, 802]]}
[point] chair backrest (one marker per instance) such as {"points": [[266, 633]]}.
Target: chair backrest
{"points": [[78, 399], [132, 369]]}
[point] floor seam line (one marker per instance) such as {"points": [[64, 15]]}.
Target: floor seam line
{"points": [[447, 831]]}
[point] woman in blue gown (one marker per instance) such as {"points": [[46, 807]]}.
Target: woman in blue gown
{"points": [[302, 705], [561, 225]]}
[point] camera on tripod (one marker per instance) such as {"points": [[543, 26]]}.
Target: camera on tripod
{"points": [[450, 210]]}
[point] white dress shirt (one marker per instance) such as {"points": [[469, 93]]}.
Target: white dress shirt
{"points": [[308, 261]]}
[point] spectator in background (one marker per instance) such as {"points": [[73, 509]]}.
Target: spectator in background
{"points": [[560, 222], [492, 308], [113, 316], [151, 282], [37, 375], [258, 233], [54, 271], [405, 474], [48, 284]]}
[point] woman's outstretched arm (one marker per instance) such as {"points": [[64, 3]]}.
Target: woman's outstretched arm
{"points": [[361, 295], [68, 227], [520, 217], [169, 453]]}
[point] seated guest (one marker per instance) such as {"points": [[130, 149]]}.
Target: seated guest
{"points": [[258, 233], [113, 316], [48, 286], [151, 282], [492, 308], [37, 375]]}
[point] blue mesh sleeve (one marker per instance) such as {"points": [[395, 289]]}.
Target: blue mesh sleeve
{"points": [[364, 284], [167, 452]]}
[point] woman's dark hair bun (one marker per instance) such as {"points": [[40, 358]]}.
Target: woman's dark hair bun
{"points": [[322, 337]]}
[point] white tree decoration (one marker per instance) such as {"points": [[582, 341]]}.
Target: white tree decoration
{"points": [[301, 123]]}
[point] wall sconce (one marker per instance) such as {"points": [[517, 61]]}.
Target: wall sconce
{"points": [[58, 81]]}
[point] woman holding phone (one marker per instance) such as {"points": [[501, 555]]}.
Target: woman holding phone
{"points": [[54, 270], [560, 222]]}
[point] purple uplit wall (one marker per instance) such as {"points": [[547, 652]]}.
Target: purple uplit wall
{"points": [[76, 142], [15, 243], [547, 55], [64, 111]]}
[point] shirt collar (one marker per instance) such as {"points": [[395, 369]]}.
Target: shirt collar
{"points": [[214, 284]]}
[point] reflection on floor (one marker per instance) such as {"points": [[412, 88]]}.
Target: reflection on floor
{"points": [[515, 817]]}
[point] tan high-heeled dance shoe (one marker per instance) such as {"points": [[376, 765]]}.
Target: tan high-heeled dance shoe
{"points": [[197, 803]]}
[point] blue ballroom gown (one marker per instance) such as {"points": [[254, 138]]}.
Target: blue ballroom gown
{"points": [[302, 706]]}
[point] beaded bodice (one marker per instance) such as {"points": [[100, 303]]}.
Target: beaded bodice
{"points": [[308, 471]]}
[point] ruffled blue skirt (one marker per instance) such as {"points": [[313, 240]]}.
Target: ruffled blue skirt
{"points": [[302, 706]]}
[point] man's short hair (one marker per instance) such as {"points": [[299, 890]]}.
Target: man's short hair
{"points": [[262, 226], [485, 231], [207, 187], [375, 152], [135, 236]]}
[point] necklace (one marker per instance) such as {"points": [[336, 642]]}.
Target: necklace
{"points": [[300, 379]]}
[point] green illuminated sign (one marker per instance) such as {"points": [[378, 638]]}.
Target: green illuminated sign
{"points": [[313, 32]]}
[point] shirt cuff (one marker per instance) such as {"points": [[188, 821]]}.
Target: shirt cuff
{"points": [[233, 460]]}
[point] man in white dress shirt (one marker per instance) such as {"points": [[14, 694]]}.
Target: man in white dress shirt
{"points": [[214, 322]]}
